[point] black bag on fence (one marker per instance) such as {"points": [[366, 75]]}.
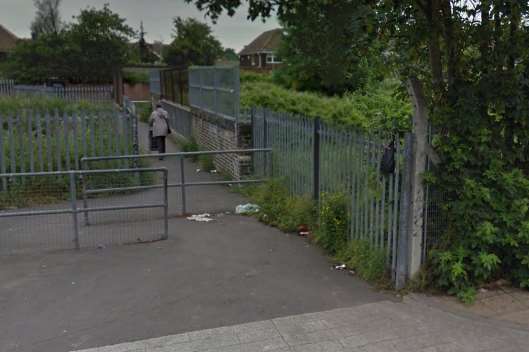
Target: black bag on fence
{"points": [[153, 146], [387, 163]]}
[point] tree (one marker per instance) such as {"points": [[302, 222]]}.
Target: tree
{"points": [[145, 53], [230, 55], [47, 18], [193, 44], [40, 59], [326, 45], [89, 50], [98, 44]]}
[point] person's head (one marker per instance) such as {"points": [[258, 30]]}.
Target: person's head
{"points": [[158, 106]]}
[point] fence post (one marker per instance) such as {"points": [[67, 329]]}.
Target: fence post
{"points": [[83, 190], [316, 161], [403, 252], [166, 207], [73, 203], [265, 145], [417, 167], [215, 91], [135, 138], [182, 186]]}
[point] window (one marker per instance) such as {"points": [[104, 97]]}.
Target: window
{"points": [[272, 59]]}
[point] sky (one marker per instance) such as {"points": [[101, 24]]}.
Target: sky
{"points": [[233, 32]]}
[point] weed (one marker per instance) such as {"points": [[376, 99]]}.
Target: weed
{"points": [[206, 162], [368, 262]]}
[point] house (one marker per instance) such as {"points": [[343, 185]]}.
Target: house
{"points": [[8, 41], [261, 53]]}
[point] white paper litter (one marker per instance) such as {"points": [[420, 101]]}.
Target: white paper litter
{"points": [[340, 267], [201, 217]]}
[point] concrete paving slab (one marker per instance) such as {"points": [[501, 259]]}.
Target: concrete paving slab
{"points": [[461, 334]]}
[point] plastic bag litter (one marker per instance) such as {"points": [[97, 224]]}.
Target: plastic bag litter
{"points": [[201, 217], [247, 208]]}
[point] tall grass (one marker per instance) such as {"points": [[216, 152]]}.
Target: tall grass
{"points": [[31, 142]]}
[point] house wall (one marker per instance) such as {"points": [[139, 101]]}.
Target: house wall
{"points": [[246, 63]]}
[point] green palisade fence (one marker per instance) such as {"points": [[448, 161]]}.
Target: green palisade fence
{"points": [[314, 159], [33, 141]]}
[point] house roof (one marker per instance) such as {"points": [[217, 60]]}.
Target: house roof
{"points": [[8, 40], [266, 41]]}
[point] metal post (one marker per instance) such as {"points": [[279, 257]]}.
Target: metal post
{"points": [[265, 145], [215, 91], [252, 137], [166, 207], [183, 186], [316, 161], [73, 203], [403, 253], [84, 195]]}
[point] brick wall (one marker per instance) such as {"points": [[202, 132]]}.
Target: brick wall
{"points": [[216, 133]]}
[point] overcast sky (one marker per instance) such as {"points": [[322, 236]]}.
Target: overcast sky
{"points": [[157, 15]]}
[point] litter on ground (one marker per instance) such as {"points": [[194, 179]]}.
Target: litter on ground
{"points": [[339, 267], [247, 208], [201, 217]]}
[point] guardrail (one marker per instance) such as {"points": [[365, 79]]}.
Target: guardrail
{"points": [[181, 156], [75, 177]]}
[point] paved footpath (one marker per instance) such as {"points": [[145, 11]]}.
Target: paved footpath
{"points": [[410, 326]]}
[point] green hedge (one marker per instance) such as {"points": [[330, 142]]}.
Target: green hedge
{"points": [[379, 107]]}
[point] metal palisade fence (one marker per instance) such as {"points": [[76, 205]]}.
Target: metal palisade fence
{"points": [[315, 159], [93, 94], [33, 141], [215, 89], [7, 87], [180, 118]]}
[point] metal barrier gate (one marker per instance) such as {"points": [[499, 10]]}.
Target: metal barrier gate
{"points": [[182, 184], [40, 210]]}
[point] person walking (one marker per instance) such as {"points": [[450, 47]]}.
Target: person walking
{"points": [[160, 127]]}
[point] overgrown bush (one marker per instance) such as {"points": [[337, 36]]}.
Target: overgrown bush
{"points": [[489, 238], [189, 145], [334, 222], [206, 162], [135, 77], [144, 110], [279, 209], [376, 108], [368, 262]]}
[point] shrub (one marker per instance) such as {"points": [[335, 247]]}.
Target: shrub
{"points": [[279, 209], [206, 162], [488, 237], [144, 110], [135, 77], [376, 108], [368, 262], [334, 222]]}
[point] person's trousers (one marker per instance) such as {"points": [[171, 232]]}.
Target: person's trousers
{"points": [[160, 142]]}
